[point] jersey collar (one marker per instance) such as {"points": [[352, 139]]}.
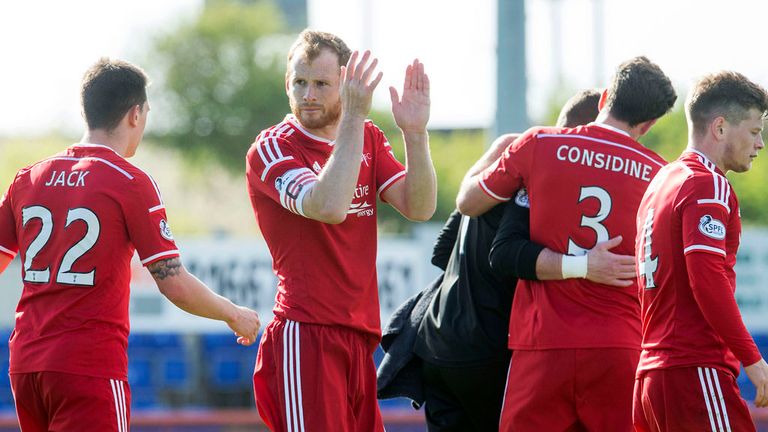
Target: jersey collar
{"points": [[290, 118], [610, 128], [704, 160], [89, 145]]}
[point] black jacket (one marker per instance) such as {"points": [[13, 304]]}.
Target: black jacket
{"points": [[399, 374]]}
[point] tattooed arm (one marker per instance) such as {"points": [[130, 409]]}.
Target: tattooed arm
{"points": [[191, 295]]}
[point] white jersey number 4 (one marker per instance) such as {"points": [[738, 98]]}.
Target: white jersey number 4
{"points": [[648, 266]]}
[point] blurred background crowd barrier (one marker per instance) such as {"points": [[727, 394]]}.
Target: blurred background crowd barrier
{"points": [[188, 373]]}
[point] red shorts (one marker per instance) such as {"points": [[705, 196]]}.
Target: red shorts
{"points": [[59, 401], [689, 399], [570, 390], [315, 377]]}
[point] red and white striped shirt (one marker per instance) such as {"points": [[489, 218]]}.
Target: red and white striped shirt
{"points": [[76, 218], [584, 185], [326, 273], [688, 232]]}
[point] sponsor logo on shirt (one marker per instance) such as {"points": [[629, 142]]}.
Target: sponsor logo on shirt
{"points": [[165, 230], [712, 227], [366, 159], [521, 199], [363, 208]]}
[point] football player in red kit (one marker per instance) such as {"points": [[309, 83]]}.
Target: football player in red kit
{"points": [[76, 219], [576, 342], [688, 232], [314, 180]]}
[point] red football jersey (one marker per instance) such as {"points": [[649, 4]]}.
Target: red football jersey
{"points": [[690, 213], [77, 218], [584, 185], [326, 273]]}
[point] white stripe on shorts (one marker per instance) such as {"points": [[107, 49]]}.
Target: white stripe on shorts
{"points": [[118, 393], [713, 398], [294, 411]]}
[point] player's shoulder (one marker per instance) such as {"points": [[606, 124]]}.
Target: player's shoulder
{"points": [[283, 131], [369, 125], [273, 140], [699, 168], [373, 132], [24, 174], [702, 180]]}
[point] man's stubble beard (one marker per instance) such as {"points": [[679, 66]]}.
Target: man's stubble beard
{"points": [[329, 117]]}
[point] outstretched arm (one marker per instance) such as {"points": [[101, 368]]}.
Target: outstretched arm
{"points": [[514, 254], [472, 200], [193, 296], [713, 293], [598, 265], [329, 199], [416, 195]]}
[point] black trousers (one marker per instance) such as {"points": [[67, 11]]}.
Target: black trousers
{"points": [[464, 398]]}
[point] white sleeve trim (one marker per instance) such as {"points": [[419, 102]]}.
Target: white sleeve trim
{"points": [[8, 251], [490, 193], [714, 201], [391, 180], [157, 255], [300, 198], [704, 248], [156, 208]]}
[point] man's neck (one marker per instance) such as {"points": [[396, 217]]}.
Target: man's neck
{"points": [[708, 149], [111, 140], [607, 119], [328, 132]]}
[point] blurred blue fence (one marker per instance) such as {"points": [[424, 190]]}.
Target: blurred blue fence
{"points": [[171, 370], [168, 371]]}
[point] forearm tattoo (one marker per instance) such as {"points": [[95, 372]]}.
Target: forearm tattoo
{"points": [[165, 268]]}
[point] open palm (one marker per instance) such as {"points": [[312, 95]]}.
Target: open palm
{"points": [[411, 112]]}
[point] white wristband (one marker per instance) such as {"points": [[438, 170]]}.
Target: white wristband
{"points": [[574, 266]]}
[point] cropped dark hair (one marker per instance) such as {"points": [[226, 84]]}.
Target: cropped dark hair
{"points": [[110, 88], [580, 109], [727, 94], [312, 42], [639, 92]]}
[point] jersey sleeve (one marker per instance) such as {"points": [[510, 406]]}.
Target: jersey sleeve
{"points": [[513, 254], [505, 177], [8, 240], [388, 169], [147, 223], [441, 253], [714, 295], [274, 170], [704, 220]]}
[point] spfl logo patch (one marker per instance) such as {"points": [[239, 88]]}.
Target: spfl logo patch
{"points": [[521, 199], [712, 227], [165, 230]]}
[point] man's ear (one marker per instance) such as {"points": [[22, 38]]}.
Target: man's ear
{"points": [[134, 114], [644, 127], [717, 127], [603, 100]]}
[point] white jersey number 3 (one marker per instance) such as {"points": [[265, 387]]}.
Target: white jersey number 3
{"points": [[64, 275], [593, 222]]}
